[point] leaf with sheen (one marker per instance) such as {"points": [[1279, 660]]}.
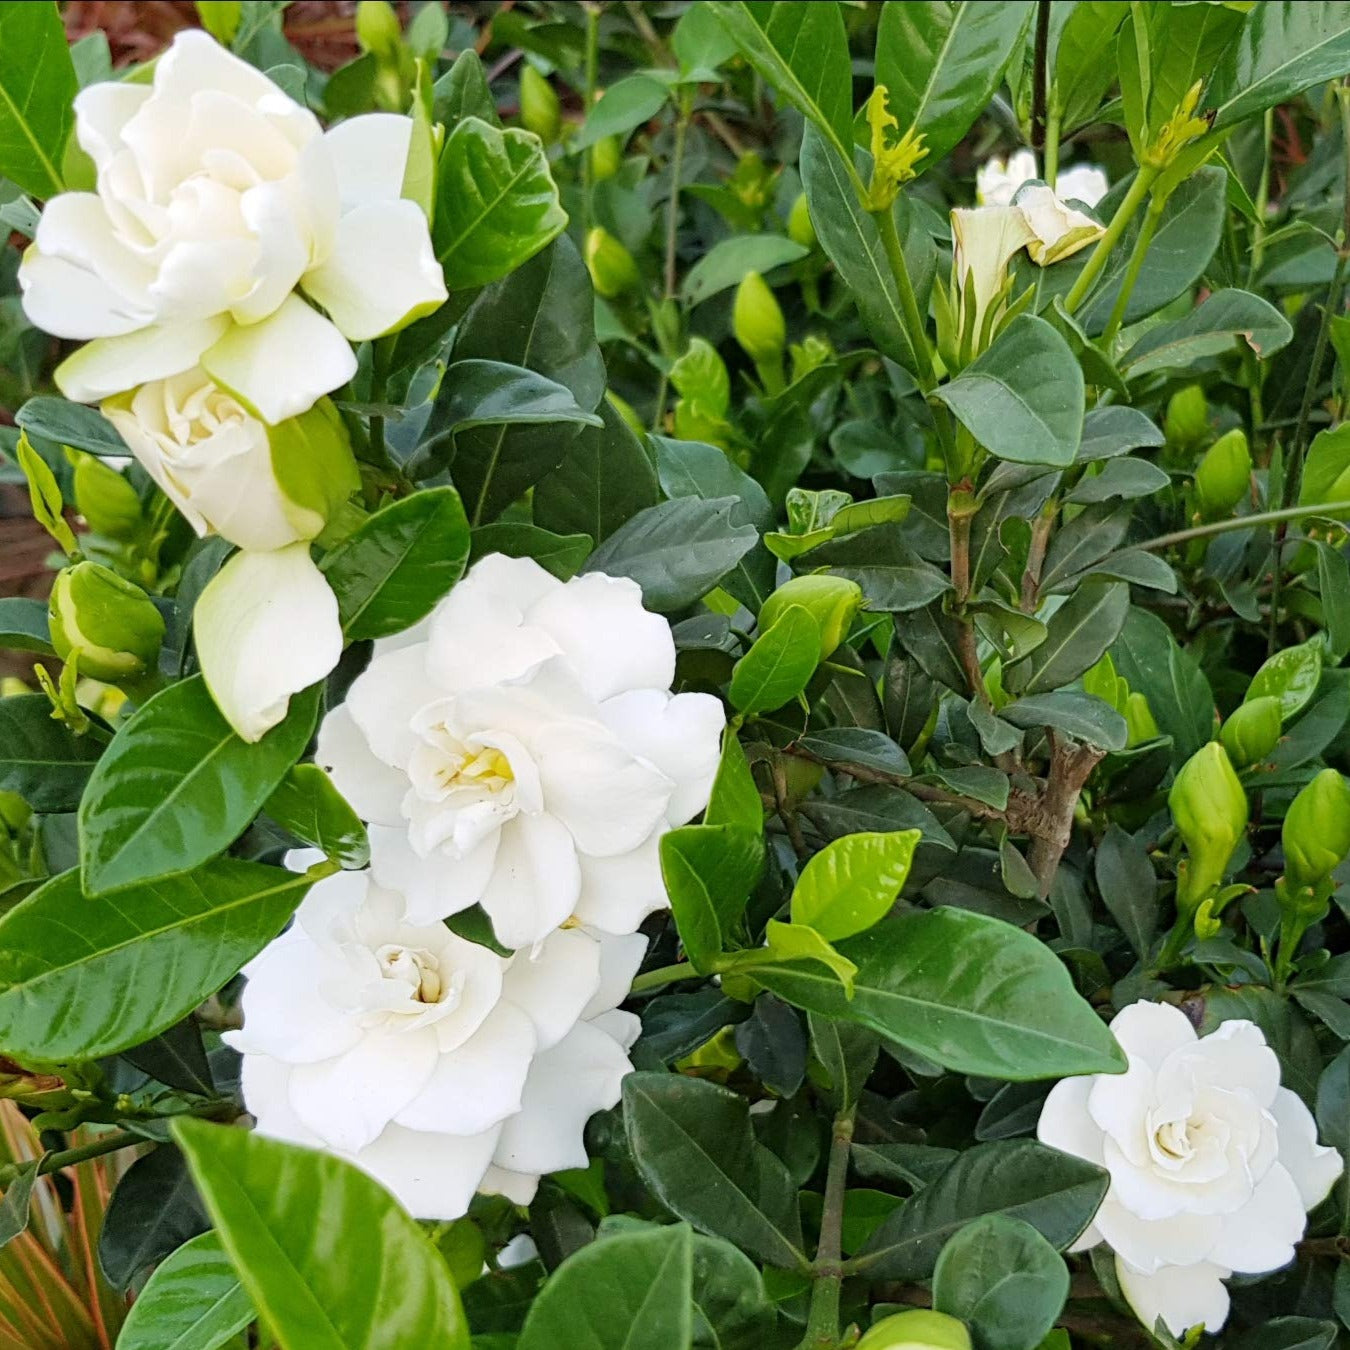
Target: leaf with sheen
{"points": [[692, 1142], [969, 992], [391, 572], [81, 978], [560, 554], [1077, 634], [177, 786], [779, 664], [154, 1210], [496, 203], [1023, 399], [626, 104], [279, 1208], [709, 871], [37, 88], [308, 805], [72, 424], [193, 1301], [40, 758], [942, 62], [852, 883], [24, 627]]}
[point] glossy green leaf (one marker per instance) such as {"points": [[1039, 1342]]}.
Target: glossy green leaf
{"points": [[37, 88], [1084, 59], [1023, 399], [708, 872], [390, 573], [847, 1053], [626, 104], [735, 798], [631, 1283], [778, 665], [463, 92], [1210, 329], [193, 1301], [691, 1140], [969, 992], [941, 63], [1120, 479], [1003, 1280], [560, 554], [496, 202], [853, 882], [1114, 430], [1077, 634], [177, 786], [1292, 676], [40, 758], [726, 264], [1056, 1193], [676, 551], [278, 1207], [788, 944], [24, 627], [307, 804], [1077, 715], [138, 961], [860, 746], [1128, 886], [154, 1210]]}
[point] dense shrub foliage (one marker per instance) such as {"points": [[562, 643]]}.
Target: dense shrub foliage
{"points": [[694, 690]]}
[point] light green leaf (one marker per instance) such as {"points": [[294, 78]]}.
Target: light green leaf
{"points": [[709, 871], [734, 799], [725, 264], [785, 944], [779, 664], [853, 882], [626, 104], [193, 1301], [1291, 675], [37, 88]]}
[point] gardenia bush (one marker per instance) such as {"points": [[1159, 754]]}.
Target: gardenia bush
{"points": [[693, 694]]}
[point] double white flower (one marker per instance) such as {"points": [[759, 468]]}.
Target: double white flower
{"points": [[219, 203], [435, 1065], [522, 750], [1213, 1164], [997, 180]]}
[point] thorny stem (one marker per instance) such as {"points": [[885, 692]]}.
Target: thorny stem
{"points": [[1133, 200], [822, 1322]]}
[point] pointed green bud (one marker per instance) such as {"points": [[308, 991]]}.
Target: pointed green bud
{"points": [[757, 320], [378, 30], [917, 1329], [800, 229], [1210, 811], [540, 110], [1187, 420], [111, 626], [606, 158], [831, 601], [1139, 720], [1252, 731], [611, 266], [1224, 475], [1316, 834], [105, 499]]}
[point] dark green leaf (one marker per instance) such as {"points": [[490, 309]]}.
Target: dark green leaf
{"points": [[23, 626], [1077, 634], [773, 1044], [708, 872], [40, 758], [1115, 429], [892, 576], [1119, 480], [1128, 886], [1076, 714], [306, 804], [16, 1203], [626, 104], [193, 1301], [153, 1211], [847, 1053], [37, 88], [1210, 329], [72, 424], [725, 264], [857, 745], [560, 554]]}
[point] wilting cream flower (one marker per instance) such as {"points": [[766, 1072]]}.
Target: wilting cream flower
{"points": [[1213, 1164], [522, 750], [435, 1065], [219, 199], [997, 181]]}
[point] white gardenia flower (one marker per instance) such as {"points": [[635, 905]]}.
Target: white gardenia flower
{"points": [[522, 750], [1086, 183], [1213, 1164], [219, 199], [997, 181], [432, 1063]]}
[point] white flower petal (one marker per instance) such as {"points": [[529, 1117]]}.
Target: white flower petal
{"points": [[433, 887], [266, 1086], [567, 1085], [617, 893], [115, 364], [1233, 1053], [1086, 183], [383, 699], [1065, 1123], [433, 1176], [620, 957], [1261, 1236], [1151, 1031], [1314, 1167], [1149, 1244], [101, 111], [622, 1027], [1059, 230], [374, 790], [1183, 1296], [370, 155], [281, 366], [535, 880], [266, 627], [1119, 1103], [554, 982], [381, 273], [517, 1187], [196, 61]]}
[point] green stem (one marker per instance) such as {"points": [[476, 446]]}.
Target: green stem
{"points": [[54, 1162], [1238, 523], [1262, 200], [672, 236], [1050, 169], [592, 70], [381, 353], [822, 1321], [664, 975], [909, 306], [1125, 212], [1141, 247]]}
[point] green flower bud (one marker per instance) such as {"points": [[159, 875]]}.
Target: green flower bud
{"points": [[1139, 721], [800, 229], [1252, 731], [112, 626], [378, 29], [1210, 811], [757, 320], [1316, 834], [831, 601], [606, 158], [1187, 420], [540, 111], [105, 499], [917, 1329], [1224, 475], [611, 266]]}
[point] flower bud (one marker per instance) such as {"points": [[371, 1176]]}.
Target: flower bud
{"points": [[1210, 810], [378, 29], [606, 158], [540, 111], [1187, 420], [757, 320], [831, 602], [1252, 730], [1224, 475], [1139, 720], [917, 1329], [611, 266], [800, 229], [111, 626], [1316, 834], [105, 499]]}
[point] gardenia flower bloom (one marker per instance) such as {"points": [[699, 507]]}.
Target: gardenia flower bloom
{"points": [[1213, 1164], [217, 197], [997, 181], [1086, 183], [522, 750], [430, 1062]]}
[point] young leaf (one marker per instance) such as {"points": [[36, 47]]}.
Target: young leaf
{"points": [[734, 799], [277, 1208], [708, 872], [852, 883], [779, 664]]}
